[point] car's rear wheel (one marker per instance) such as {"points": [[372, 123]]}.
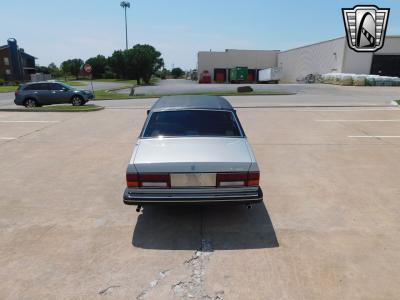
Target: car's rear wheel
{"points": [[30, 103], [77, 101]]}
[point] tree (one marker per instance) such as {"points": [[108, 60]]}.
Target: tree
{"points": [[163, 74], [177, 72], [117, 63], [72, 67], [76, 65], [42, 69], [131, 65], [142, 62], [54, 70], [65, 68], [99, 64]]}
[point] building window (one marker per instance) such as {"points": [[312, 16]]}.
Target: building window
{"points": [[8, 72], [6, 61]]}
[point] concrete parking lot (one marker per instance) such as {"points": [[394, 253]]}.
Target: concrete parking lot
{"points": [[328, 228], [304, 94]]}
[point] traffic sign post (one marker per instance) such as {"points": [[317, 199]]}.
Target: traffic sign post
{"points": [[88, 69]]}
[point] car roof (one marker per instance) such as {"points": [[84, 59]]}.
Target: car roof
{"points": [[191, 102], [45, 81]]}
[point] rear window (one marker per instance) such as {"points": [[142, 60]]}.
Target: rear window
{"points": [[185, 123], [56, 86]]}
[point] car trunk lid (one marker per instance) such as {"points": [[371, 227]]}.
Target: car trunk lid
{"points": [[192, 155]]}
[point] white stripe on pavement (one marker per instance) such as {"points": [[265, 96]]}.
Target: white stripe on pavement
{"points": [[290, 109], [374, 136], [7, 138], [394, 120], [29, 121]]}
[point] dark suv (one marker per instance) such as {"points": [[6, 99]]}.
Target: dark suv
{"points": [[45, 93]]}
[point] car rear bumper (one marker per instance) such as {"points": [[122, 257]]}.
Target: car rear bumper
{"points": [[135, 197], [18, 101]]}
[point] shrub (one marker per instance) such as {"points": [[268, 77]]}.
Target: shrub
{"points": [[244, 89], [109, 75], [1, 81]]}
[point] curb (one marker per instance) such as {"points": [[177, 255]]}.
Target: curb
{"points": [[50, 110]]}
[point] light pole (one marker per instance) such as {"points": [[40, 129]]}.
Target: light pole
{"points": [[125, 5]]}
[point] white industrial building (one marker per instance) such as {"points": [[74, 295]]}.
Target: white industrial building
{"points": [[219, 63], [320, 58]]}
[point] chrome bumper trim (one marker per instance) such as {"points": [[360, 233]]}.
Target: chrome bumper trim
{"points": [[134, 198]]}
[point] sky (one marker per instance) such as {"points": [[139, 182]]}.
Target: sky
{"points": [[56, 30]]}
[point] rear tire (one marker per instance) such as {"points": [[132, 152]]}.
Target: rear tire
{"points": [[30, 103], [77, 101]]}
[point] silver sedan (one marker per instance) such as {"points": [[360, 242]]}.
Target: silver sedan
{"points": [[192, 149]]}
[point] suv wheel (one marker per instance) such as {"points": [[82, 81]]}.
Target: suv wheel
{"points": [[29, 103], [77, 101]]}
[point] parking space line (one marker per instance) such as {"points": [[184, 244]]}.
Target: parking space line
{"points": [[394, 120], [317, 109], [373, 136], [29, 121], [7, 138], [356, 109]]}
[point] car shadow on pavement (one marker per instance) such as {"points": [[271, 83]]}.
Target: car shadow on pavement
{"points": [[187, 227]]}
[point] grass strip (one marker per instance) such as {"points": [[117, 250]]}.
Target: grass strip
{"points": [[75, 83], [111, 95], [57, 108], [8, 88]]}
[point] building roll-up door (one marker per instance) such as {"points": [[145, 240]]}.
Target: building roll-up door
{"points": [[386, 65], [220, 75]]}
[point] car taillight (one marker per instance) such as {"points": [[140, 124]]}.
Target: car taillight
{"points": [[132, 180], [231, 179], [148, 180], [253, 178], [155, 180], [163, 180], [16, 93], [238, 179]]}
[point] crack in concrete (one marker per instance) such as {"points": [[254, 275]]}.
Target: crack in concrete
{"points": [[218, 296], [108, 290], [153, 284], [193, 287], [33, 132]]}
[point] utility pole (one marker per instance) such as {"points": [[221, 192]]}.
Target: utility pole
{"points": [[125, 5]]}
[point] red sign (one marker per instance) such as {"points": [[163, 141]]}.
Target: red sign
{"points": [[87, 68]]}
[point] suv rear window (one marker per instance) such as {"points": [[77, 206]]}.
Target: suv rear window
{"points": [[56, 86], [184, 123]]}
